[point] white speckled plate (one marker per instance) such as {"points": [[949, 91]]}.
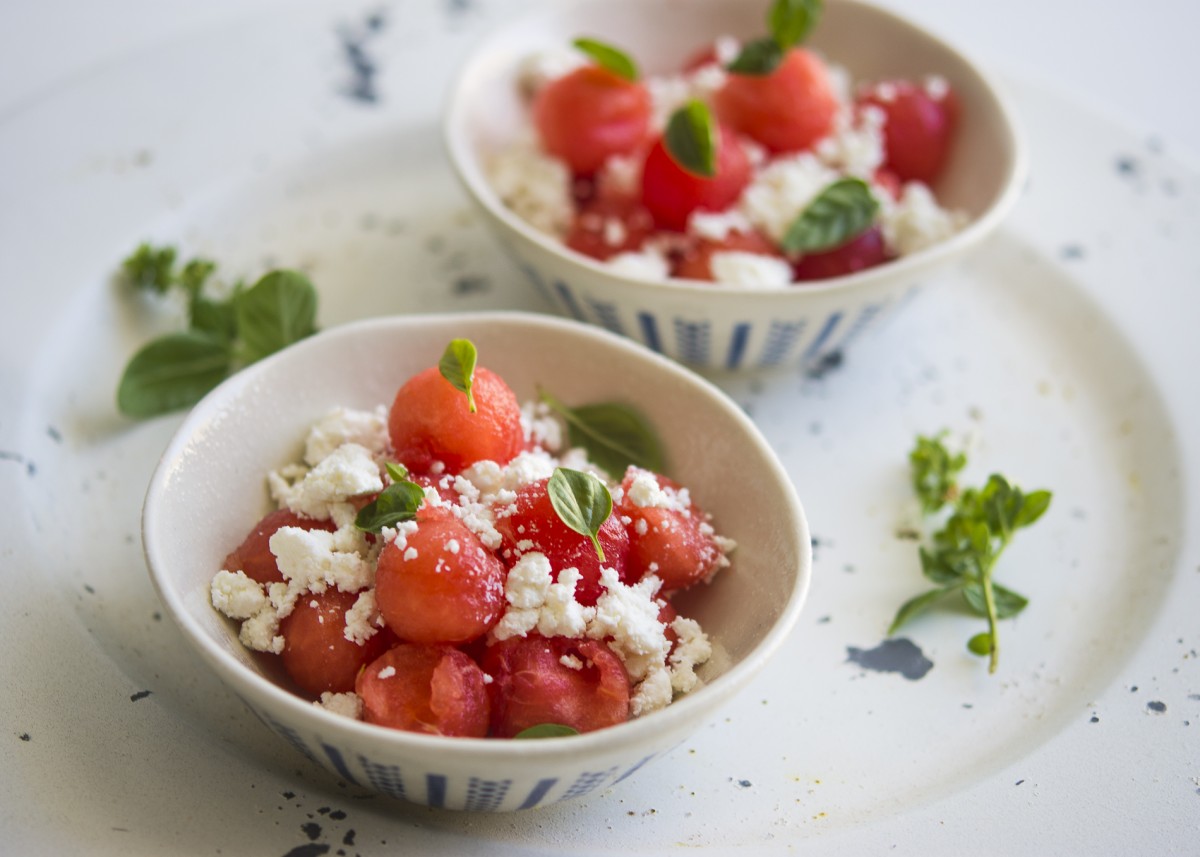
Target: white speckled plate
{"points": [[1066, 348]]}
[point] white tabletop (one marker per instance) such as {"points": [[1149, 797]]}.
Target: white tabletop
{"points": [[1137, 62]]}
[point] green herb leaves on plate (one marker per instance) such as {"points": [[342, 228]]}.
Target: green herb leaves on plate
{"points": [[458, 367], [691, 138], [614, 435], [223, 335], [838, 213], [609, 58], [547, 730], [396, 503], [789, 23], [960, 557], [582, 502]]}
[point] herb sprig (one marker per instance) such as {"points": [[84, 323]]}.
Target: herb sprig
{"points": [[842, 210], [789, 23], [961, 556], [582, 502], [614, 435], [223, 335], [396, 503]]}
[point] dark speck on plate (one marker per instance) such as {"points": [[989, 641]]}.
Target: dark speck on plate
{"points": [[1156, 706], [898, 655], [141, 694]]}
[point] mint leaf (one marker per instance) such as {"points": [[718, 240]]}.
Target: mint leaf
{"points": [[172, 372], [917, 605], [614, 435], [458, 367], [582, 502], [609, 58], [547, 730], [691, 139], [276, 311], [840, 211]]}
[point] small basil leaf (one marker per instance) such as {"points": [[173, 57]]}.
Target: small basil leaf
{"points": [[216, 318], [691, 139], [840, 211], [614, 435], [582, 502], [172, 372], [547, 730], [916, 605], [395, 504], [757, 58], [1008, 603], [276, 311], [609, 58], [980, 644], [396, 470], [150, 268], [1035, 505], [458, 367], [790, 21]]}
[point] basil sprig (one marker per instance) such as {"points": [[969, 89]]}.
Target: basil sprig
{"points": [[547, 730], [582, 502], [838, 213], [609, 58], [458, 367], [614, 435], [175, 371], [691, 138], [395, 504], [789, 23], [960, 557]]}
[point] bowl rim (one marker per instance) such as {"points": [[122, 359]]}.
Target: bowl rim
{"points": [[637, 731], [466, 166]]}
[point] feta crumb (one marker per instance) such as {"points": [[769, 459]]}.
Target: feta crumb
{"points": [[346, 704], [750, 270], [362, 619], [343, 425], [309, 561], [386, 673], [236, 595], [916, 221], [782, 189], [349, 471], [535, 186], [645, 264], [717, 225]]}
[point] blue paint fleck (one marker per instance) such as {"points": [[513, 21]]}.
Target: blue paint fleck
{"points": [[892, 656], [1156, 706]]}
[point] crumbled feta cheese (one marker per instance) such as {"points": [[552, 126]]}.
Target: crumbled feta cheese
{"points": [[362, 619], [645, 264], [346, 704], [916, 221], [538, 69], [782, 189], [717, 225], [236, 595], [349, 471], [535, 186], [343, 425], [750, 270], [856, 145]]}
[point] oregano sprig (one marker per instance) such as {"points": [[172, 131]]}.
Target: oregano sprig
{"points": [[961, 556], [223, 334], [614, 435], [582, 502]]}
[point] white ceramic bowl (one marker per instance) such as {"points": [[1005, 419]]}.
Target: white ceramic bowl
{"points": [[719, 327], [209, 489]]}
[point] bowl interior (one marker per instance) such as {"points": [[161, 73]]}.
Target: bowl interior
{"points": [[210, 486], [486, 110]]}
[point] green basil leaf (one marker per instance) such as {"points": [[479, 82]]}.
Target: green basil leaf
{"points": [[691, 139], [396, 470], [790, 21], [150, 268], [1035, 505], [757, 58], [840, 211], [458, 367], [171, 373], [1008, 602], [614, 435], [610, 58], [395, 504], [582, 502], [547, 730], [980, 644], [276, 311], [917, 605], [216, 318]]}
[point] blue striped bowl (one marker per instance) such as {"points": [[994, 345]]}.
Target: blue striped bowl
{"points": [[209, 489], [706, 325]]}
